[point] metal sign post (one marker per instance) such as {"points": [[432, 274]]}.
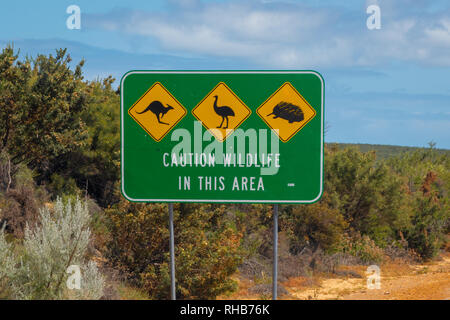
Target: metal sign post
{"points": [[172, 254], [275, 252]]}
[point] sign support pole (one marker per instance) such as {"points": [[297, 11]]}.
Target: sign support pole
{"points": [[172, 254], [275, 252]]}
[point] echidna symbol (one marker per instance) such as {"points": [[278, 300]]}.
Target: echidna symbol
{"points": [[287, 111]]}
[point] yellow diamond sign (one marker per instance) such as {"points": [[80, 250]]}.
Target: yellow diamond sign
{"points": [[157, 111], [221, 112], [286, 112]]}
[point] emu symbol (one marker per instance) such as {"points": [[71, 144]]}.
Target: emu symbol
{"points": [[224, 112]]}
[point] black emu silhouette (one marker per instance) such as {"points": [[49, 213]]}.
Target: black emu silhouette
{"points": [[158, 109], [224, 112]]}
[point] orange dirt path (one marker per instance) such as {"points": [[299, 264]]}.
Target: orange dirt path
{"points": [[399, 281]]}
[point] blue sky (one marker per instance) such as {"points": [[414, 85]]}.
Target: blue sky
{"points": [[387, 86]]}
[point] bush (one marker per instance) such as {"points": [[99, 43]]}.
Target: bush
{"points": [[368, 194], [363, 248], [95, 166], [207, 248], [429, 222], [20, 198], [316, 225], [59, 241], [42, 100], [427, 176], [60, 186], [7, 264]]}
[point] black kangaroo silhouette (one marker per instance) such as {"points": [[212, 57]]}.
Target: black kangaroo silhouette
{"points": [[158, 109], [223, 111]]}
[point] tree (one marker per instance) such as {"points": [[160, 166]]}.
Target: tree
{"points": [[369, 195], [41, 101], [95, 166]]}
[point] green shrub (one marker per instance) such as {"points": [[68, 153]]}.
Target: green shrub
{"points": [[60, 186], [368, 194], [42, 100], [430, 220], [207, 248], [316, 225], [427, 176], [363, 248]]}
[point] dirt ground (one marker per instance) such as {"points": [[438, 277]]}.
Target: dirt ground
{"points": [[399, 281], [430, 281]]}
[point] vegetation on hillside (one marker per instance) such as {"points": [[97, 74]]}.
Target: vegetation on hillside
{"points": [[386, 151], [60, 204]]}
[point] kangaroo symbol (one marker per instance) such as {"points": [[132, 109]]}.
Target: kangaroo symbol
{"points": [[158, 109], [224, 112]]}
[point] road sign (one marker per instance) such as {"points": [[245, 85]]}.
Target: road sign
{"points": [[287, 111], [221, 117], [154, 105], [214, 136]]}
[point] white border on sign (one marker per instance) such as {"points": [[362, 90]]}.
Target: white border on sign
{"points": [[215, 200]]}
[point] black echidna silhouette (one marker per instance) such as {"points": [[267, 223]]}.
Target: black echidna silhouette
{"points": [[158, 109], [287, 111]]}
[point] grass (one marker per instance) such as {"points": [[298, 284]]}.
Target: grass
{"points": [[131, 293]]}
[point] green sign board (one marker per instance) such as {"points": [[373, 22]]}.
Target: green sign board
{"points": [[222, 136]]}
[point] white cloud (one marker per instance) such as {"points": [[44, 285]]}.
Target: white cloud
{"points": [[283, 35], [440, 35]]}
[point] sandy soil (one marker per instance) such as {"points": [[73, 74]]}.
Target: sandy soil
{"points": [[430, 281], [424, 282]]}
